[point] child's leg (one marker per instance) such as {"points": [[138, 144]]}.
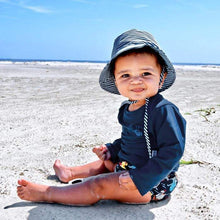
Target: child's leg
{"points": [[104, 186], [65, 174]]}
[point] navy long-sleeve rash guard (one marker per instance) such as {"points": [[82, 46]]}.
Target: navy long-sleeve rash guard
{"points": [[166, 130]]}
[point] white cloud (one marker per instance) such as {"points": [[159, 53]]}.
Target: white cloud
{"points": [[22, 4], [37, 9]]}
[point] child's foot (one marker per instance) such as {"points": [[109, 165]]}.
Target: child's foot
{"points": [[31, 191], [62, 172]]}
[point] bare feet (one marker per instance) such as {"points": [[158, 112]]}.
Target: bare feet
{"points": [[31, 191], [63, 172]]}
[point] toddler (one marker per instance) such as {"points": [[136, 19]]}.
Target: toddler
{"points": [[140, 166]]}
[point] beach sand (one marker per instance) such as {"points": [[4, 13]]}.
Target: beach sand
{"points": [[51, 110]]}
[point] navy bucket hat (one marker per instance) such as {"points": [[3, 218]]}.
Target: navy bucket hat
{"points": [[130, 40]]}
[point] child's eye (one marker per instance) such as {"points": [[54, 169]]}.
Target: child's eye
{"points": [[146, 74], [125, 75]]}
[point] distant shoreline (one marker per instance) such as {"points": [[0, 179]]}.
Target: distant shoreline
{"points": [[95, 61]]}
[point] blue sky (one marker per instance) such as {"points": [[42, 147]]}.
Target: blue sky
{"points": [[188, 30]]}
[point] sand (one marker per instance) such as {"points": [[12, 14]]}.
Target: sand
{"points": [[51, 110]]}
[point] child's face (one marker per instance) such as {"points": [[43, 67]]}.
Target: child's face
{"points": [[137, 76]]}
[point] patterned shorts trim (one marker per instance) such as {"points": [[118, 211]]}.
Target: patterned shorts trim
{"points": [[160, 192], [164, 188]]}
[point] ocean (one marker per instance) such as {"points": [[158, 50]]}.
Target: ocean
{"points": [[98, 61]]}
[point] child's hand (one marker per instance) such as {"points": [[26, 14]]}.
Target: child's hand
{"points": [[126, 182], [102, 152]]}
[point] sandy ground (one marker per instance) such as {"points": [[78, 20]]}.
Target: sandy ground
{"points": [[57, 110]]}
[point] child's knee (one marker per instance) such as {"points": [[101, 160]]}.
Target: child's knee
{"points": [[98, 186]]}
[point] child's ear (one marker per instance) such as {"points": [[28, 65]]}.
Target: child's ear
{"points": [[161, 83]]}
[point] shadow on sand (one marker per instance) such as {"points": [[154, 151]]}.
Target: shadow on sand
{"points": [[102, 210]]}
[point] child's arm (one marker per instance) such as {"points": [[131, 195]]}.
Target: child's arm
{"points": [[114, 148], [169, 127], [102, 152]]}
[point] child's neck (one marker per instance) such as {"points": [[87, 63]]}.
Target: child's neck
{"points": [[136, 105]]}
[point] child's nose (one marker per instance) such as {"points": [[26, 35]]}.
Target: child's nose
{"points": [[136, 79]]}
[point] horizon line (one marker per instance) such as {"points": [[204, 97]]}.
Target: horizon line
{"points": [[95, 61]]}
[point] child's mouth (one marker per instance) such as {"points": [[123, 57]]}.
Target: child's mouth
{"points": [[137, 90]]}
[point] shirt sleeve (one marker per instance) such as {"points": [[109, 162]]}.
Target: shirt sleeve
{"points": [[168, 129], [114, 149]]}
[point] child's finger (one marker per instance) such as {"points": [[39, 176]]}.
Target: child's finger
{"points": [[99, 148], [102, 157], [103, 148], [107, 155], [94, 149]]}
